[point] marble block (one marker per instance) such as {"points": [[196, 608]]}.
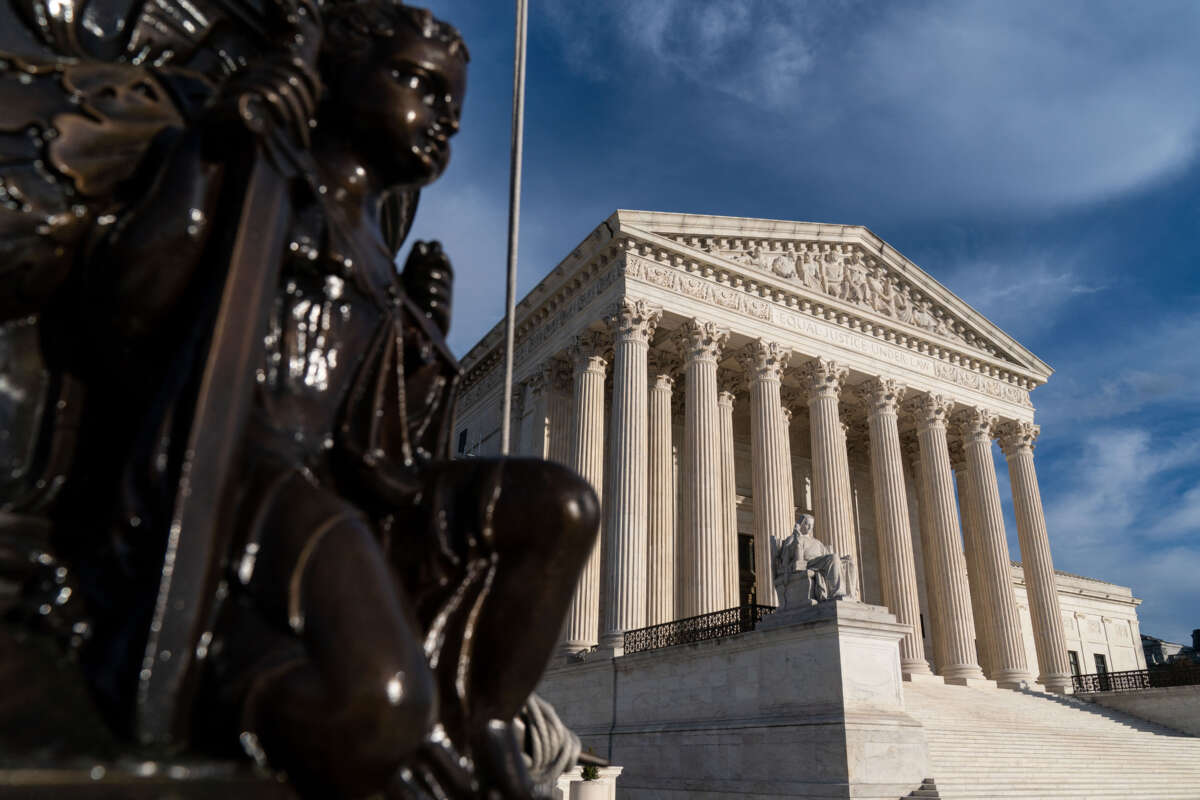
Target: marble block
{"points": [[809, 705]]}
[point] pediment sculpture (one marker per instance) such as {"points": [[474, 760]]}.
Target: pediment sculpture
{"points": [[846, 273]]}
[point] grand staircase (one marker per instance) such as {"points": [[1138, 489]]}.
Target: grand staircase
{"points": [[987, 744]]}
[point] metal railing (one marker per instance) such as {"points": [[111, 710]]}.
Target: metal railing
{"points": [[696, 629], [1134, 679]]}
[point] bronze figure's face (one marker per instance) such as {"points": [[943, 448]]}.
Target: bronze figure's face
{"points": [[403, 103]]}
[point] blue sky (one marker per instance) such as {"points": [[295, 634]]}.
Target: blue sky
{"points": [[1039, 159]]}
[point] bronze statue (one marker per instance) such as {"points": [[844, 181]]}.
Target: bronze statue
{"points": [[235, 502]]}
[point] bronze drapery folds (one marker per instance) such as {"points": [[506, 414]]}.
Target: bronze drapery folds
{"points": [[230, 524]]}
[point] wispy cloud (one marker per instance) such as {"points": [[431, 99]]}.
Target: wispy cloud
{"points": [[1140, 367], [753, 51], [969, 107]]}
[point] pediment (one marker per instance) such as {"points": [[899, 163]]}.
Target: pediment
{"points": [[838, 265]]}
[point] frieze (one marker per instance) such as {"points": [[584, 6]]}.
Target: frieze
{"points": [[698, 288], [908, 360]]}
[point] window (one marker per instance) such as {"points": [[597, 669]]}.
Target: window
{"points": [[1073, 657], [1101, 663], [462, 441]]}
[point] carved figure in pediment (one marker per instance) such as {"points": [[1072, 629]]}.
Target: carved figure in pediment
{"points": [[784, 265], [880, 290], [855, 287], [810, 271], [922, 318], [833, 274], [903, 304]]}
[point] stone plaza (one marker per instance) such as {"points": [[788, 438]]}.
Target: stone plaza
{"points": [[713, 377]]}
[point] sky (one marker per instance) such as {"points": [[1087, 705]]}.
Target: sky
{"points": [[1038, 159]]}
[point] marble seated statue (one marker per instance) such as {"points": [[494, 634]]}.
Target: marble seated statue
{"points": [[806, 571]]}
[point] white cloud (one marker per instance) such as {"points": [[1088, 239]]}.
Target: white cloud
{"points": [[1114, 511]]}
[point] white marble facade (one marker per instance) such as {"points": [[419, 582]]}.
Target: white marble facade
{"points": [[714, 376]]}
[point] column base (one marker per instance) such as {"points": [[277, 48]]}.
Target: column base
{"points": [[1057, 685], [1012, 679], [968, 671], [920, 667], [613, 640]]}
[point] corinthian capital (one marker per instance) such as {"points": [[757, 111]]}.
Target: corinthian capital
{"points": [[929, 410], [590, 351], [663, 366], [881, 395], [975, 424], [763, 360], [634, 320], [822, 377], [559, 375], [703, 340], [1016, 437]]}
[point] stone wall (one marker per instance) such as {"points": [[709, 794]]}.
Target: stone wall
{"points": [[1177, 707]]}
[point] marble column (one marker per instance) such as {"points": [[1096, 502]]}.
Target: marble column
{"points": [[949, 575], [764, 363], [560, 446], [897, 569], [1008, 645], [831, 471], [535, 427], [725, 400], [704, 590], [587, 458], [660, 573], [1016, 440], [984, 639], [627, 512], [912, 454]]}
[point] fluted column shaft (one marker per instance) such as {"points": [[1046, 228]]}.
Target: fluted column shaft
{"points": [[957, 630], [1017, 440], [729, 499], [660, 574], [626, 532], [928, 558], [764, 363], [897, 569], [587, 458], [1008, 668], [560, 446], [704, 591], [979, 596], [785, 454], [831, 471]]}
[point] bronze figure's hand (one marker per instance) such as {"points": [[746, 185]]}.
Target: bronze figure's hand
{"points": [[428, 279]]}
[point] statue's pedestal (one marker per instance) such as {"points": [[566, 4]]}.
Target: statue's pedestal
{"points": [[809, 705]]}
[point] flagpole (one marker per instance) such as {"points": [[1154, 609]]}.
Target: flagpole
{"points": [[514, 219]]}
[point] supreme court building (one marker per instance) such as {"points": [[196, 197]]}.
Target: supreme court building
{"points": [[714, 376]]}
